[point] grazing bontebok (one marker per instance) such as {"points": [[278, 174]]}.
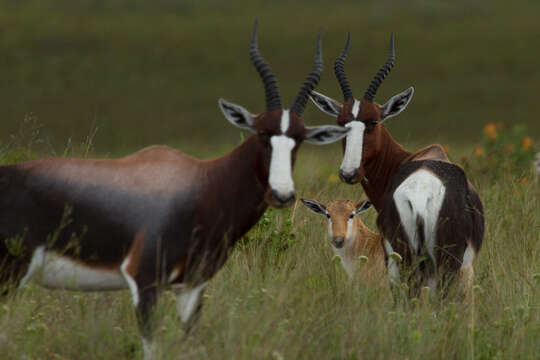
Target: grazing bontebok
{"points": [[429, 213], [157, 218], [351, 240]]}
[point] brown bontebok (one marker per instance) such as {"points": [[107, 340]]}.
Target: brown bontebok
{"points": [[157, 218], [356, 245], [429, 213]]}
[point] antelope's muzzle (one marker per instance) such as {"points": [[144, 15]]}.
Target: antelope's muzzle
{"points": [[348, 177], [338, 241]]}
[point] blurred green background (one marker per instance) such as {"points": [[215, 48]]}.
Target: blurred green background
{"points": [[147, 72]]}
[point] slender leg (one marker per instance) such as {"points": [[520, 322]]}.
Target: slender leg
{"points": [[144, 311], [144, 296], [466, 273], [189, 305], [392, 264]]}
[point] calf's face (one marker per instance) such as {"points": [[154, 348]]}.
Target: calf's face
{"points": [[341, 215]]}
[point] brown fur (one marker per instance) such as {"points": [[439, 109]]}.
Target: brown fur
{"points": [[135, 255], [362, 242]]}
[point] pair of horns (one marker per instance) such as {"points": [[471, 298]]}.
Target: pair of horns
{"points": [[339, 70], [273, 100]]}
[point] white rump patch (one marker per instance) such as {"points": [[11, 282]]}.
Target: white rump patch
{"points": [[353, 150], [130, 281], [280, 178], [420, 197], [187, 300]]}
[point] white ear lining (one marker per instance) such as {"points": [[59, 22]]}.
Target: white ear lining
{"points": [[314, 206], [237, 115], [325, 103], [396, 104], [325, 134], [364, 206]]}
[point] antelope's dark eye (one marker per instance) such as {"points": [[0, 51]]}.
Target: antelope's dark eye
{"points": [[370, 125], [351, 216]]}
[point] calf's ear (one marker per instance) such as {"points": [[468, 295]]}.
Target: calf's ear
{"points": [[314, 206], [362, 206]]}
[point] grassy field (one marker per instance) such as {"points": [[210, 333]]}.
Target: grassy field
{"points": [[145, 73], [281, 295]]}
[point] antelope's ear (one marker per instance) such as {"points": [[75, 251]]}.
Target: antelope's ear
{"points": [[325, 134], [326, 104], [237, 115], [396, 104], [362, 206], [315, 206]]}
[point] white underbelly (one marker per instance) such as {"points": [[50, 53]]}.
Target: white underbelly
{"points": [[59, 272]]}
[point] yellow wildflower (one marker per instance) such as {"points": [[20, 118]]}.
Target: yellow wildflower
{"points": [[479, 151], [333, 179], [526, 143], [510, 148], [490, 130]]}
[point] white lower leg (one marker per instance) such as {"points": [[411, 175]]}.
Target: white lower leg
{"points": [[148, 348], [187, 300], [393, 258]]}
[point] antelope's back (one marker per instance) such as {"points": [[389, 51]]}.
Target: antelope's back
{"points": [[93, 209]]}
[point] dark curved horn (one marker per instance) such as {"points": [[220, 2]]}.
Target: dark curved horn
{"points": [[273, 101], [384, 70], [311, 81], [339, 70]]}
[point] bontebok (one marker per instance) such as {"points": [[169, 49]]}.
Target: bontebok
{"points": [[429, 213], [157, 218]]}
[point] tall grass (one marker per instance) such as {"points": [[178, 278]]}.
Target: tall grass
{"points": [[281, 295]]}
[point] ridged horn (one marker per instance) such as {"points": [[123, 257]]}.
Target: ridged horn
{"points": [[273, 100], [339, 70], [384, 70], [311, 81]]}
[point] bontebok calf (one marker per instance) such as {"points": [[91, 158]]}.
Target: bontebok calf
{"points": [[156, 218], [352, 241], [429, 213]]}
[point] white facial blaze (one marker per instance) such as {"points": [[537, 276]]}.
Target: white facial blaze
{"points": [[285, 121], [280, 178], [353, 150], [355, 108]]}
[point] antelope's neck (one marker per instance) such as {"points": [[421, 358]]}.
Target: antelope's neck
{"points": [[380, 171], [236, 189]]}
